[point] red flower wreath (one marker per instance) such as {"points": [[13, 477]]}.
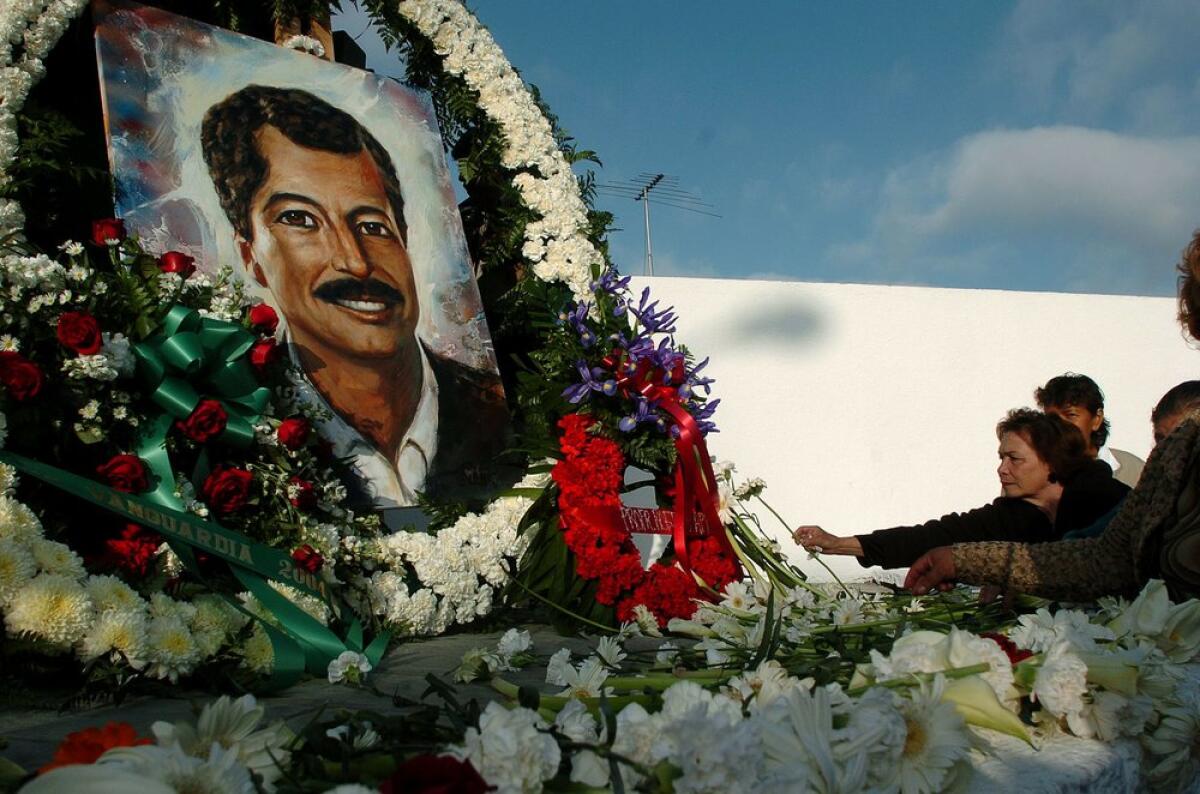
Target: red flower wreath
{"points": [[589, 476]]}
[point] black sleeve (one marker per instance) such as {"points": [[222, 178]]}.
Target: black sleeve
{"points": [[1087, 496], [1004, 519]]}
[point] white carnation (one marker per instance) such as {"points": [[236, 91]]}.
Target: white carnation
{"points": [[510, 749]]}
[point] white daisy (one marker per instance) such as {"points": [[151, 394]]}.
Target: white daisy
{"points": [[935, 740], [233, 725], [610, 652]]}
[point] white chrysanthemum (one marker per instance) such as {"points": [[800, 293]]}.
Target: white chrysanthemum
{"points": [[17, 567], [232, 724], [8, 481], [935, 742], [258, 654], [163, 606], [171, 648], [56, 558], [509, 751], [50, 607], [117, 632], [109, 592], [214, 614], [1061, 681]]}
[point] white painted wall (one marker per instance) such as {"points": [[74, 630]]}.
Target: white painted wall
{"points": [[870, 406]]}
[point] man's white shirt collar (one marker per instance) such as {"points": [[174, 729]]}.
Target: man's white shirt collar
{"points": [[1105, 455], [390, 483]]}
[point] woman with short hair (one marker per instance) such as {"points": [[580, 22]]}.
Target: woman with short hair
{"points": [[1049, 485]]}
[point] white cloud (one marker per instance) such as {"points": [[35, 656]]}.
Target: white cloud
{"points": [[1136, 199], [1084, 61]]}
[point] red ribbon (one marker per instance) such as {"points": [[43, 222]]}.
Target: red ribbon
{"points": [[695, 482]]}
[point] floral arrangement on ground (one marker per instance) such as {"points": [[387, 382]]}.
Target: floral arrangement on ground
{"points": [[776, 690]]}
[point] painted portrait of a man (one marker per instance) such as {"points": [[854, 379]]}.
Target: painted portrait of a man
{"points": [[335, 230]]}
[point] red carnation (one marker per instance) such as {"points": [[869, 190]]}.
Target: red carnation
{"points": [[80, 332], [177, 262], [307, 558], [292, 433], [107, 229], [263, 318], [263, 353], [125, 473], [227, 489], [85, 746], [435, 774], [1010, 648], [20, 376], [133, 551], [303, 495], [207, 421]]}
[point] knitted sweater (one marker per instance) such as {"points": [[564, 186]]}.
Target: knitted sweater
{"points": [[1156, 533]]}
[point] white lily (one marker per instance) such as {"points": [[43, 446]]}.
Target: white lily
{"points": [[976, 701], [1180, 638], [1147, 615]]}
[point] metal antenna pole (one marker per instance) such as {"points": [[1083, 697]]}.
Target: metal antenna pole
{"points": [[667, 192]]}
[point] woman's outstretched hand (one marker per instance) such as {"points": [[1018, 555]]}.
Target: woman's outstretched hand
{"points": [[934, 569], [813, 538]]}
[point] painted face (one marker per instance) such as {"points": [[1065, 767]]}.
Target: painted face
{"points": [[1081, 417], [326, 242], [1022, 472]]}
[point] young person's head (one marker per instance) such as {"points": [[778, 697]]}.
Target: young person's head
{"points": [[1176, 404], [1077, 399]]}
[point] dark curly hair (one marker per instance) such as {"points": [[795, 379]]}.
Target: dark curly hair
{"points": [[1189, 287], [1073, 389], [238, 169], [1055, 440]]}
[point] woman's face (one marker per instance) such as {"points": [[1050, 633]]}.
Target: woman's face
{"points": [[1022, 472]]}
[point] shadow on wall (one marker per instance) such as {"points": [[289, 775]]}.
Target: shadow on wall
{"points": [[789, 323]]}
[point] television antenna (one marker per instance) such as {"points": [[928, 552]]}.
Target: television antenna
{"points": [[667, 192]]}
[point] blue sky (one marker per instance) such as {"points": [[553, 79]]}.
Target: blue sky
{"points": [[1043, 145]]}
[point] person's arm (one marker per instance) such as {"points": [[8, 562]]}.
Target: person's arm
{"points": [[1076, 570], [813, 538], [1004, 519]]}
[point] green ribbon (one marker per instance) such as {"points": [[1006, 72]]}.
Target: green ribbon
{"points": [[301, 641], [195, 355]]}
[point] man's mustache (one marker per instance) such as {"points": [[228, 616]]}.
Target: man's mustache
{"points": [[358, 289]]}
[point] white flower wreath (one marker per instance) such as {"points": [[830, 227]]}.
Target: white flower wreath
{"points": [[459, 568]]}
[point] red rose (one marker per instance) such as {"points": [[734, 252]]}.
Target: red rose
{"points": [[292, 433], [435, 774], [80, 332], [263, 318], [304, 496], [308, 559], [20, 376], [227, 489], [107, 229], [263, 353], [125, 473], [206, 422], [177, 262]]}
